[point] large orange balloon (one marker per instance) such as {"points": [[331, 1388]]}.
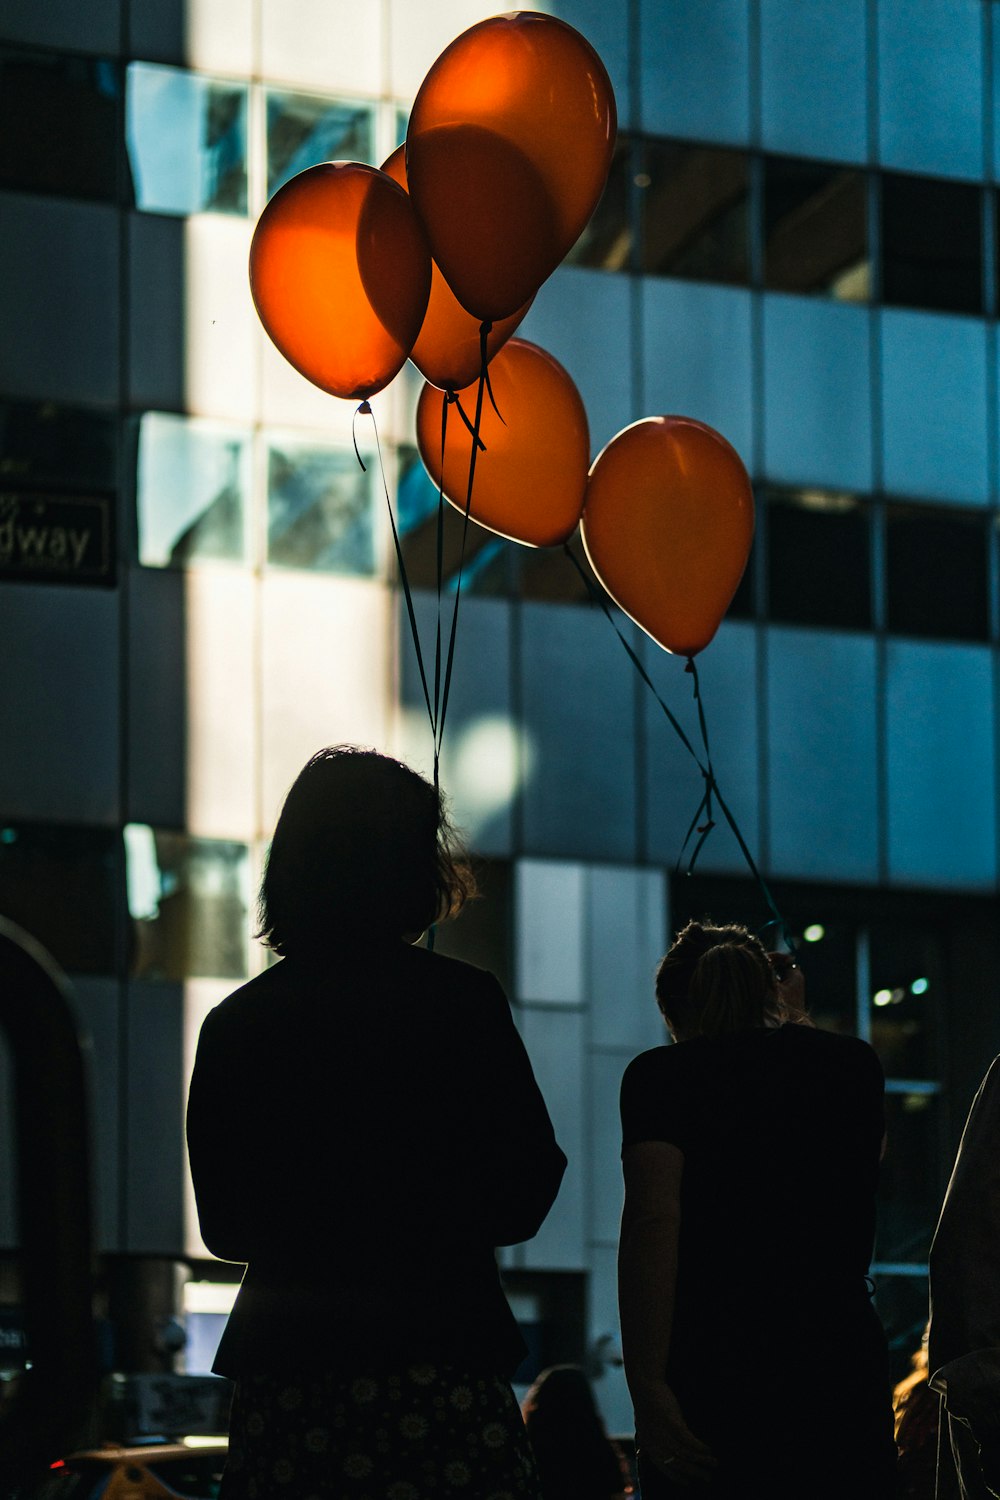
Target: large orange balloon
{"points": [[447, 351], [667, 525], [507, 152], [530, 480], [340, 273]]}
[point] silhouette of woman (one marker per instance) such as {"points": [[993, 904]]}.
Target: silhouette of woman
{"points": [[576, 1459], [756, 1362], [364, 1128]]}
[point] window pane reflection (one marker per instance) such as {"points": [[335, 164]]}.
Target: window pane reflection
{"points": [[44, 445], [815, 234], [931, 244], [937, 583], [827, 951], [187, 141], [189, 900], [907, 998], [320, 509], [818, 556], [304, 129], [61, 885], [910, 1189], [192, 490], [693, 207], [59, 124], [606, 242]]}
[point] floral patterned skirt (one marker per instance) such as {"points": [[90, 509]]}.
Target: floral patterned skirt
{"points": [[426, 1431]]}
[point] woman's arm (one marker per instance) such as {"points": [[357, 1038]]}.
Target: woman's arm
{"points": [[647, 1278]]}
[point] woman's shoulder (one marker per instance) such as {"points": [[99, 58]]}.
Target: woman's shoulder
{"points": [[655, 1066], [833, 1052]]}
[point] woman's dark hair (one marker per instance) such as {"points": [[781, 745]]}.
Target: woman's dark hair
{"points": [[716, 980], [362, 845], [576, 1459]]}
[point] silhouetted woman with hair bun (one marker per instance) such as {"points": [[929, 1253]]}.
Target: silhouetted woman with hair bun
{"points": [[756, 1362], [364, 1129]]}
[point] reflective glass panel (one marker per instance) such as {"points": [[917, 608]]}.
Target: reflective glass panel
{"points": [[59, 124], [827, 953], [818, 559], [189, 901], [908, 999], [62, 886], [931, 243], [320, 509], [815, 229], [187, 141], [45, 445], [937, 573], [693, 211], [607, 240], [910, 1187], [193, 483], [305, 129]]}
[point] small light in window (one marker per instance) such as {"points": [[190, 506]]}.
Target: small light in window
{"points": [[882, 997], [920, 986], [815, 932]]}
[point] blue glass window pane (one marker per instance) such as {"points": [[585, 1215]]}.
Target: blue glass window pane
{"points": [[320, 512], [187, 141], [304, 129], [815, 229], [192, 486], [693, 212], [931, 243], [189, 901]]}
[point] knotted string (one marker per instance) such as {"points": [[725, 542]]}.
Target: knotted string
{"points": [[704, 765]]}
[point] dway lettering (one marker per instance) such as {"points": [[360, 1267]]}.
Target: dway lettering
{"points": [[56, 546]]}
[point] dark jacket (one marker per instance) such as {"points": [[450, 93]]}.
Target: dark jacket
{"points": [[362, 1134]]}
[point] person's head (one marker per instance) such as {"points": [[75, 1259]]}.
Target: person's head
{"points": [[715, 981], [362, 845], [561, 1406]]}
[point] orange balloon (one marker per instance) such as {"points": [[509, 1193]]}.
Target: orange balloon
{"points": [[447, 350], [340, 273], [531, 479], [507, 152], [667, 526]]}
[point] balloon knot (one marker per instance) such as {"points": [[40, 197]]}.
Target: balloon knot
{"points": [[364, 410], [690, 664]]}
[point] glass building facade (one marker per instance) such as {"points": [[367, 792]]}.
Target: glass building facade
{"points": [[797, 245]]}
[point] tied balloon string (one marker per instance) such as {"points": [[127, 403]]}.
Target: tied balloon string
{"points": [[598, 598], [712, 789], [364, 410], [706, 769], [484, 331]]}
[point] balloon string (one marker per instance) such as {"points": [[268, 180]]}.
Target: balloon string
{"points": [[706, 768], [365, 410], [452, 399], [484, 331], [440, 593]]}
